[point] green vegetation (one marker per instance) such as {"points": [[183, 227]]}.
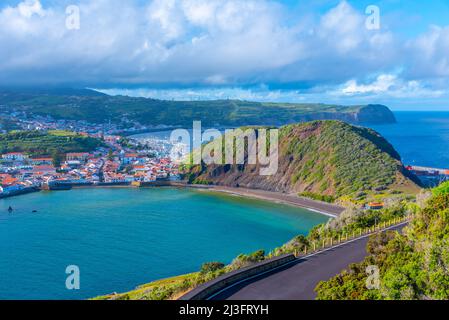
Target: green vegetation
{"points": [[98, 108], [159, 290], [319, 197], [202, 182], [110, 155], [8, 125], [125, 142], [54, 143], [57, 159], [442, 189], [211, 267], [350, 223], [339, 159], [412, 265], [324, 160]]}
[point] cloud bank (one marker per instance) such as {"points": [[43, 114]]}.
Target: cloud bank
{"points": [[218, 43]]}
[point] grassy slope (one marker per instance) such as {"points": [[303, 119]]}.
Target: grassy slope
{"points": [[323, 157], [37, 143], [101, 108], [144, 292]]}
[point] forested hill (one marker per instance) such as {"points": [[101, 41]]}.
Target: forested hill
{"points": [[326, 158], [36, 143], [100, 108]]}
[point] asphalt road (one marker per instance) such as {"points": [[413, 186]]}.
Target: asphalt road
{"points": [[298, 280]]}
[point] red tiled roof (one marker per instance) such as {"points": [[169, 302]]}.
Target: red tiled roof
{"points": [[78, 154]]}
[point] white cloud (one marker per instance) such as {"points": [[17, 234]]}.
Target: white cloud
{"points": [[343, 27], [430, 54], [382, 84], [260, 93], [30, 7], [389, 85], [217, 42]]}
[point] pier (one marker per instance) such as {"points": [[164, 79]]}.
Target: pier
{"points": [[431, 177]]}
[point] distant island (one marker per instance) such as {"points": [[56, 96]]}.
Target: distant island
{"points": [[136, 113]]}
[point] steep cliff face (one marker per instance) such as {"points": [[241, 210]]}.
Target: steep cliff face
{"points": [[322, 157], [369, 114], [374, 113]]}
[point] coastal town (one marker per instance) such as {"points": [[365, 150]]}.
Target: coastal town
{"points": [[30, 121], [121, 161]]}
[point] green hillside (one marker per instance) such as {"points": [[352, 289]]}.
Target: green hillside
{"points": [[413, 265], [37, 143], [100, 108], [322, 158]]}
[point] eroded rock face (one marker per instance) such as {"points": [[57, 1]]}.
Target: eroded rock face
{"points": [[375, 113], [369, 114], [323, 157]]}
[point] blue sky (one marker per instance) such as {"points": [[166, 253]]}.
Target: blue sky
{"points": [[294, 51]]}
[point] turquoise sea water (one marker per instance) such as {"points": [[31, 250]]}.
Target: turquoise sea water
{"points": [[421, 138], [121, 238]]}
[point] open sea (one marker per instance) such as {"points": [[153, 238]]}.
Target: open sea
{"points": [[421, 138]]}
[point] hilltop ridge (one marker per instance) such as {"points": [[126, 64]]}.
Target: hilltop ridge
{"points": [[95, 107]]}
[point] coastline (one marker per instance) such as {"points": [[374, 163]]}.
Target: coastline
{"points": [[323, 208]]}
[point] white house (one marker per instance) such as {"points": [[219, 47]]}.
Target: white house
{"points": [[130, 158], [14, 156]]}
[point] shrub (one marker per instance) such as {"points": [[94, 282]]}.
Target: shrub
{"points": [[244, 260], [211, 267], [319, 197], [442, 189]]}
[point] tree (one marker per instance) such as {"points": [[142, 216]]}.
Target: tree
{"points": [[56, 158], [110, 155], [211, 267], [129, 169]]}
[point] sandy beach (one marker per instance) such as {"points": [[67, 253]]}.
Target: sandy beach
{"points": [[289, 199]]}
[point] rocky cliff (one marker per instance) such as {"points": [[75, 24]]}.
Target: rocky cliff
{"points": [[321, 157]]}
